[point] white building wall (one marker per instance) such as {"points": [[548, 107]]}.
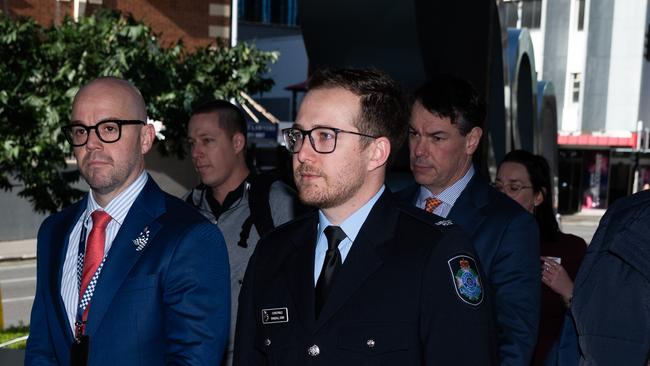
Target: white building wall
{"points": [[537, 37], [626, 65], [291, 67], [576, 55]]}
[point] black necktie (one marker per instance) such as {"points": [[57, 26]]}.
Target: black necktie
{"points": [[331, 264]]}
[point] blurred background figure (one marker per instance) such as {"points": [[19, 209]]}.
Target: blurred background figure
{"points": [[526, 178], [244, 205]]}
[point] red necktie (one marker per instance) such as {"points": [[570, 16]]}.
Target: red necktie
{"points": [[431, 203], [94, 251]]}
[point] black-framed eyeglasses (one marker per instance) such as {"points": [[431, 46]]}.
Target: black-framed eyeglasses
{"points": [[322, 139], [512, 189], [107, 131]]}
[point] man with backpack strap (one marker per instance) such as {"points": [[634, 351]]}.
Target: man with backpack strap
{"points": [[243, 205]]}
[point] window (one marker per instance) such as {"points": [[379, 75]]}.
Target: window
{"points": [[531, 13], [580, 21], [282, 12], [576, 78]]}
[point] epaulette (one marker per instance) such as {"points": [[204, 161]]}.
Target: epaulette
{"points": [[419, 214]]}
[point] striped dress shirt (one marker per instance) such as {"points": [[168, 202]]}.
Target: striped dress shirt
{"points": [[117, 208]]}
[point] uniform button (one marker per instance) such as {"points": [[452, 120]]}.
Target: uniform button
{"points": [[267, 342], [313, 351], [370, 343]]}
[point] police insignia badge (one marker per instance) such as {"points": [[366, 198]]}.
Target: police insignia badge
{"points": [[467, 282]]}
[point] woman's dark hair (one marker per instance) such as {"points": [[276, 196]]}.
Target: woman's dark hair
{"points": [[540, 178]]}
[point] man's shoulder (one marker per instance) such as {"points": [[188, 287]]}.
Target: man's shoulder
{"points": [[407, 193], [280, 191], [628, 218], [426, 228], [180, 213], [298, 224], [284, 240], [196, 195], [412, 215], [634, 205]]}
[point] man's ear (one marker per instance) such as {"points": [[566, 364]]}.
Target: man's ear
{"points": [[147, 137], [379, 152], [238, 142], [473, 138]]}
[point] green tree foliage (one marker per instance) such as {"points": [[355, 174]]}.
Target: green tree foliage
{"points": [[43, 68]]}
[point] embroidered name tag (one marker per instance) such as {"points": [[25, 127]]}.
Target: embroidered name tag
{"points": [[276, 315]]}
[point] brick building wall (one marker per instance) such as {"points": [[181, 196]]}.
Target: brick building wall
{"points": [[196, 22]]}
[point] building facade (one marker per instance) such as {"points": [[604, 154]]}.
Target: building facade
{"points": [[593, 51], [196, 22]]}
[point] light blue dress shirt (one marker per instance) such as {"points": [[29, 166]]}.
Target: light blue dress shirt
{"points": [[350, 227], [448, 196]]}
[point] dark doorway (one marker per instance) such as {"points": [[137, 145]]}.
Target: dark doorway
{"points": [[570, 181]]}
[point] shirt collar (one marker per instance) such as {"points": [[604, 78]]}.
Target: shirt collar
{"points": [[120, 205], [353, 223], [232, 198], [451, 193]]}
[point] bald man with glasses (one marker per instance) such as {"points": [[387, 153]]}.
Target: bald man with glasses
{"points": [[365, 280], [129, 275]]}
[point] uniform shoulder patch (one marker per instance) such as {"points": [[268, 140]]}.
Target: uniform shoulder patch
{"points": [[467, 282]]}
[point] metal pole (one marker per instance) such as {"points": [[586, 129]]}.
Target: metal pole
{"points": [[234, 19]]}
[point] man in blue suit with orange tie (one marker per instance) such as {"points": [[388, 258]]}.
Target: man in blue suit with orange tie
{"points": [[444, 133], [129, 275]]}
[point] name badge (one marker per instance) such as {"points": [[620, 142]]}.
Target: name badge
{"points": [[276, 315]]}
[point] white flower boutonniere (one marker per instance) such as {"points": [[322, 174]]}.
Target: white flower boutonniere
{"points": [[141, 241]]}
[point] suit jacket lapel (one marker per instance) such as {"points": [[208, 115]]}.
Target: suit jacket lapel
{"points": [[363, 258], [300, 271], [58, 250], [123, 255], [468, 208]]}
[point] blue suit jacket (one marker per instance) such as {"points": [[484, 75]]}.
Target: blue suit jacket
{"points": [[611, 296], [506, 239], [168, 303]]}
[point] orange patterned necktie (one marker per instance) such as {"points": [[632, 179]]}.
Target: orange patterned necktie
{"points": [[431, 203]]}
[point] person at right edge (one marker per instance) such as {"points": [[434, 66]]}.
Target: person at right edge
{"points": [[611, 293], [444, 133], [366, 280]]}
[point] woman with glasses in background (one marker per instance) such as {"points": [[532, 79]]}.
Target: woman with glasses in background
{"points": [[526, 178]]}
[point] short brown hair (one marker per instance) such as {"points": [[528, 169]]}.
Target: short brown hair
{"points": [[384, 109], [231, 118]]}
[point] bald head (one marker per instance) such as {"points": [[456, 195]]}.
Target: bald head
{"points": [[119, 90], [115, 108]]}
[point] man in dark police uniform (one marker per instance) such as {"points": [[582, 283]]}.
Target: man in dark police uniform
{"points": [[364, 279]]}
